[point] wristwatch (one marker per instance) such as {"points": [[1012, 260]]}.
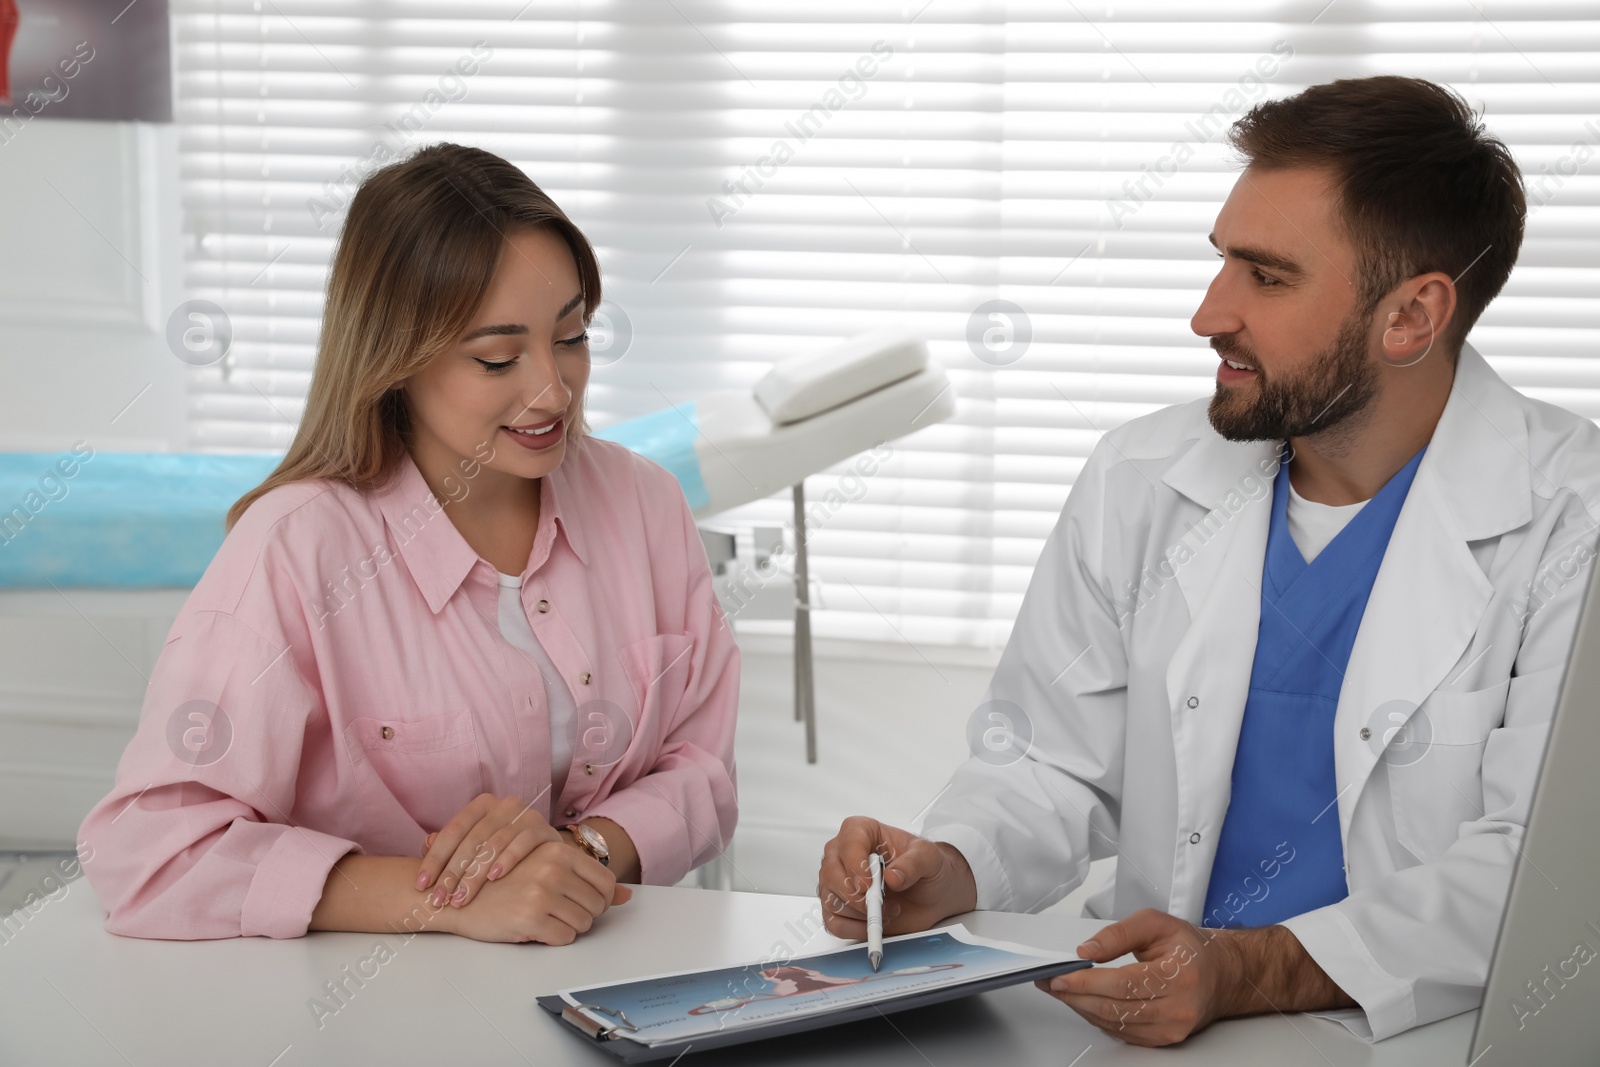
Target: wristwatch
{"points": [[589, 839]]}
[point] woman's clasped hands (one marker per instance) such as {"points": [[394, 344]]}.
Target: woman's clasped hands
{"points": [[524, 882]]}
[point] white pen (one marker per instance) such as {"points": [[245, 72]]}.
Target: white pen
{"points": [[875, 911]]}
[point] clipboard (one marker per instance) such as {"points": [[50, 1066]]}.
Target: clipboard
{"points": [[601, 1028]]}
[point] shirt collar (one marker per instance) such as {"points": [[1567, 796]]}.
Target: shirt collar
{"points": [[437, 556], [560, 499]]}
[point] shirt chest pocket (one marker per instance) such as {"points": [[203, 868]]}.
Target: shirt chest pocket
{"points": [[429, 768], [658, 674], [1436, 781]]}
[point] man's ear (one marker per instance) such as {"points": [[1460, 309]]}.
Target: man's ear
{"points": [[1415, 317]]}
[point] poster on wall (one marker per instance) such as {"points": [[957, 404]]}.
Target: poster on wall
{"points": [[84, 59]]}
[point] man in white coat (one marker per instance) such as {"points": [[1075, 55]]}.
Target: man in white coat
{"points": [[1290, 653]]}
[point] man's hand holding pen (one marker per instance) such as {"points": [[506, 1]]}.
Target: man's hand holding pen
{"points": [[924, 882]]}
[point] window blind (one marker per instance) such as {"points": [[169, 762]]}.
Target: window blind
{"points": [[1026, 185]]}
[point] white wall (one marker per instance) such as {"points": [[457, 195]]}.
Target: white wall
{"points": [[90, 240]]}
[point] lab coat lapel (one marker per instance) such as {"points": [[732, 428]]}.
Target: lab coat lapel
{"points": [[1220, 578], [1430, 593]]}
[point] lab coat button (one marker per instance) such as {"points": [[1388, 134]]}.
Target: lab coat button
{"points": [[1366, 734], [1194, 838], [1194, 702], [388, 733], [544, 605]]}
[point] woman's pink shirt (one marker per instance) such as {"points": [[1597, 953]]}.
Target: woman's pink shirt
{"points": [[337, 682]]}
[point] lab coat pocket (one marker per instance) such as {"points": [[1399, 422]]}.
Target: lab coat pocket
{"points": [[1436, 780], [429, 767]]}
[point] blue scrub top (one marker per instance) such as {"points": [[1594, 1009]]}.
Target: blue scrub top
{"points": [[1280, 853]]}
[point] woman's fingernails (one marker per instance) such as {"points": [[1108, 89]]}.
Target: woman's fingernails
{"points": [[494, 872], [437, 900], [458, 896], [422, 880]]}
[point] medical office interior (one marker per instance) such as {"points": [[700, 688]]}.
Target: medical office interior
{"points": [[878, 277]]}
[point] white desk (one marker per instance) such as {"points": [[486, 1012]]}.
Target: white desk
{"points": [[72, 994]]}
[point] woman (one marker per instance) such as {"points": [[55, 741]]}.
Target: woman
{"points": [[448, 623]]}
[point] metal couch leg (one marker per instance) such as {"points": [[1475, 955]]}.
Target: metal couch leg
{"points": [[804, 695], [717, 872]]}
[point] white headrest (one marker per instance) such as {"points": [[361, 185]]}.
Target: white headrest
{"points": [[812, 382]]}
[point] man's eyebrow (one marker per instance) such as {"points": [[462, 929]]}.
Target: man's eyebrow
{"points": [[1260, 257], [516, 329]]}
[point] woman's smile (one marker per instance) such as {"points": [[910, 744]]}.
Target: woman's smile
{"points": [[538, 437]]}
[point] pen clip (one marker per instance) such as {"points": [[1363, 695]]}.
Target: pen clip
{"points": [[578, 1015]]}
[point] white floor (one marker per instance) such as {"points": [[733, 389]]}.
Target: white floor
{"points": [[35, 875]]}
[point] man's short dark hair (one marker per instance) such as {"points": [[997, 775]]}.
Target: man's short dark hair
{"points": [[1422, 187]]}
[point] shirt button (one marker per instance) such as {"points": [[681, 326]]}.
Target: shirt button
{"points": [[584, 678], [572, 813], [1194, 702], [544, 605], [588, 768], [1194, 838], [388, 732], [1366, 734]]}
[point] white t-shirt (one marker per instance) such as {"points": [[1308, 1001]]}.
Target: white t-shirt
{"points": [[563, 709], [1313, 525]]}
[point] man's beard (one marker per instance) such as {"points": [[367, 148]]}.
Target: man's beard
{"points": [[1338, 384]]}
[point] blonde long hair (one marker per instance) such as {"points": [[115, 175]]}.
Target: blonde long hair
{"points": [[417, 254]]}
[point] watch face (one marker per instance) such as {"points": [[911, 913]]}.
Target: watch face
{"points": [[591, 838]]}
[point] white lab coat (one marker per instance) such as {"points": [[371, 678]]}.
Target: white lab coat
{"points": [[1134, 725]]}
